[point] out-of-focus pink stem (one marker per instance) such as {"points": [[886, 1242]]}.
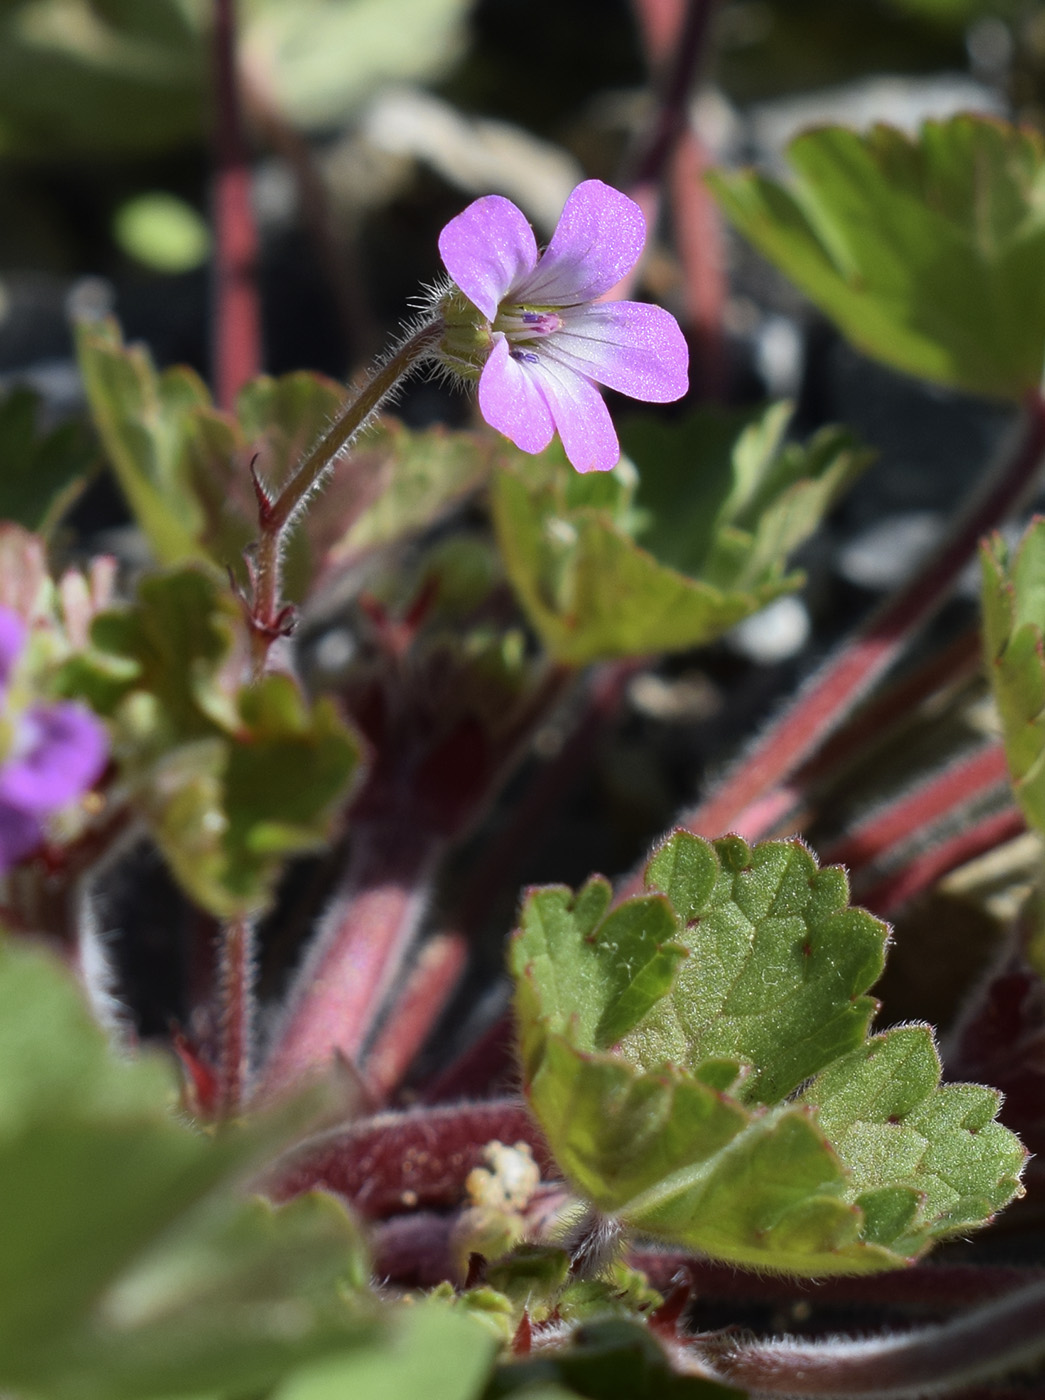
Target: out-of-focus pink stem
{"points": [[832, 693], [237, 309], [965, 781], [414, 1012], [921, 873], [235, 1013], [357, 952]]}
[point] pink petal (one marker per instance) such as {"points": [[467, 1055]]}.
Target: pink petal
{"points": [[65, 751], [629, 346], [12, 639], [486, 249], [511, 400], [599, 238], [583, 420], [20, 833]]}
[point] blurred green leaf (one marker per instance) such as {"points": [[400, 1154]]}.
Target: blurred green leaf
{"points": [[413, 478], [162, 232], [662, 1042], [43, 472], [131, 1266], [117, 76], [610, 1359], [603, 569], [318, 59], [928, 253], [722, 497], [1013, 593], [438, 1353], [233, 778]]}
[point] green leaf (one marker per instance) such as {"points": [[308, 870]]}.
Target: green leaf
{"points": [[436, 1352], [131, 1265], [663, 1083], [610, 1359], [43, 473], [414, 477], [1013, 594], [116, 77], [925, 1162], [927, 252], [141, 417], [320, 58], [233, 778], [591, 592], [725, 499]]}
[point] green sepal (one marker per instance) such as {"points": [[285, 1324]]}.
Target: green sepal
{"points": [[928, 252]]}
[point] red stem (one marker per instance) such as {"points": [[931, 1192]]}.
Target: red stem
{"points": [[965, 781], [422, 1000], [824, 703], [355, 955], [923, 871], [414, 1159], [984, 1342], [237, 311]]}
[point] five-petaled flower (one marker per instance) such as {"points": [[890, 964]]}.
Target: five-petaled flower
{"points": [[543, 340], [52, 753]]}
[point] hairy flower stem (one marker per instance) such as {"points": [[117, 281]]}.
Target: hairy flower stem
{"points": [[237, 312], [276, 515], [235, 1014], [357, 952], [847, 675], [984, 1342]]}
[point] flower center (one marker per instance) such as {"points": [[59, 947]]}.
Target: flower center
{"points": [[527, 322]]}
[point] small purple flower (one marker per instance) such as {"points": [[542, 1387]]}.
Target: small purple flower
{"points": [[547, 340], [55, 752]]}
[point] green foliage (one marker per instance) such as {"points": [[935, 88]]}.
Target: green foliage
{"points": [[232, 778], [604, 570], [607, 1360], [43, 473], [131, 1265], [662, 1042], [1013, 623], [928, 253], [126, 77], [162, 232]]}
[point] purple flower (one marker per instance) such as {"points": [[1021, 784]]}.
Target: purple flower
{"points": [[547, 340], [55, 752]]}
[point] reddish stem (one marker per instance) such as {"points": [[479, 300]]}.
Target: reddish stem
{"points": [[410, 1020], [237, 311], [825, 702], [355, 955], [487, 1063], [964, 782], [702, 251], [923, 871], [414, 1159], [984, 1342], [235, 1014]]}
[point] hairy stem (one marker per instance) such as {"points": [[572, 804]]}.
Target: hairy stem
{"points": [[235, 1014], [984, 1342], [237, 311], [276, 515], [847, 675], [414, 1012], [357, 951]]}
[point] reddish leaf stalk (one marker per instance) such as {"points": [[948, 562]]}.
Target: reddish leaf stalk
{"points": [[847, 675], [356, 954], [276, 515], [985, 1342], [237, 311], [235, 1014], [920, 874], [413, 1014], [964, 782]]}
